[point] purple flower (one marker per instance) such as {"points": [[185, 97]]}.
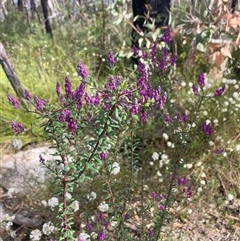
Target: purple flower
{"points": [[219, 151], [101, 236], [153, 195], [207, 128], [135, 108], [100, 217], [189, 192], [27, 95], [161, 197], [150, 233], [168, 119], [13, 101], [82, 71], [65, 115], [68, 88], [97, 99], [113, 83], [17, 127], [219, 91], [71, 124], [154, 52], [143, 116], [161, 207], [173, 59], [126, 217], [182, 181], [164, 97], [111, 59], [195, 89], [167, 36], [201, 79], [78, 95], [58, 89], [135, 50], [40, 104], [41, 159], [89, 227], [185, 117], [162, 64], [143, 73], [103, 156]]}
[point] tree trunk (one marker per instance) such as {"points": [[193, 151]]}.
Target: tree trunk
{"points": [[20, 5], [11, 75], [233, 5], [46, 17]]}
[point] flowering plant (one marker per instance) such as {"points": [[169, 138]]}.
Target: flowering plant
{"points": [[88, 129]]}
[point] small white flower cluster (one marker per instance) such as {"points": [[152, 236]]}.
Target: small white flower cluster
{"points": [[114, 168], [6, 221], [17, 144], [84, 237], [164, 160], [47, 229], [103, 207], [169, 143], [35, 235], [188, 165], [52, 202], [92, 196], [75, 205], [202, 180]]}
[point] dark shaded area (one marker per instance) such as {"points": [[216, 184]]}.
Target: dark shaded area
{"points": [[46, 17], [20, 5], [234, 4], [148, 10]]}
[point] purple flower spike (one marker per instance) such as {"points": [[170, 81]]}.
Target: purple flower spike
{"points": [[219, 92], [219, 151], [58, 89], [71, 124], [173, 59], [126, 217], [182, 181], [168, 119], [195, 89], [27, 95], [111, 59], [153, 194], [150, 233], [167, 36], [135, 51], [103, 156], [143, 116], [207, 128], [40, 104], [68, 88], [89, 227], [101, 236], [17, 127], [201, 79], [41, 159], [161, 207], [82, 71], [154, 51], [14, 102]]}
